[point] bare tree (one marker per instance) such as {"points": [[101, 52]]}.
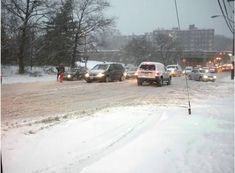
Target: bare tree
{"points": [[139, 48], [167, 44], [27, 13], [89, 18]]}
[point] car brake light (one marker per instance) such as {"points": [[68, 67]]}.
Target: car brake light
{"points": [[157, 73]]}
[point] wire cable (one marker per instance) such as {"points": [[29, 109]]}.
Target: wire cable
{"points": [[227, 16], [177, 14], [224, 16]]}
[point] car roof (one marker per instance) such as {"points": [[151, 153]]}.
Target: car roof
{"points": [[173, 65], [150, 63]]}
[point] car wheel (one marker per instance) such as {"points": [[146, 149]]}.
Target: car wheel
{"points": [[139, 82], [107, 79], [160, 82], [200, 78], [169, 81], [122, 78]]}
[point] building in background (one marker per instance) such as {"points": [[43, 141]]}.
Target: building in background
{"points": [[193, 39]]}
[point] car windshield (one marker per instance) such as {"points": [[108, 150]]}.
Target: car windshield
{"points": [[74, 69], [171, 66], [188, 68], [132, 69], [100, 67], [202, 71], [147, 67]]}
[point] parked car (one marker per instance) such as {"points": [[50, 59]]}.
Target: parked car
{"points": [[106, 72], [187, 70], [174, 70], [131, 73], [201, 75], [76, 73], [153, 72]]}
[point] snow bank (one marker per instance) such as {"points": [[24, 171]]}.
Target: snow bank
{"points": [[202, 142], [135, 139]]}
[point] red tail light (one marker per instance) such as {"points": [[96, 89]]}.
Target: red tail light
{"points": [[157, 73]]}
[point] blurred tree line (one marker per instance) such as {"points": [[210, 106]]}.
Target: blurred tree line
{"points": [[147, 48], [41, 32]]}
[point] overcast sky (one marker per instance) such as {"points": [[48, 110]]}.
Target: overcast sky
{"points": [[140, 16]]}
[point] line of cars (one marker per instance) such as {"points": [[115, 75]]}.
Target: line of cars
{"points": [[200, 74], [150, 72]]}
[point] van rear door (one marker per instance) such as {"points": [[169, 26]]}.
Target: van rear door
{"points": [[146, 71]]}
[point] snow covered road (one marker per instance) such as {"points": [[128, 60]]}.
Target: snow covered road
{"points": [[143, 129]]}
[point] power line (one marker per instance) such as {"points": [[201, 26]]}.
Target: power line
{"points": [[226, 20], [227, 16], [177, 14]]}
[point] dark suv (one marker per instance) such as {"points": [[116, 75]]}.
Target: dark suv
{"points": [[76, 73], [153, 72], [106, 72]]}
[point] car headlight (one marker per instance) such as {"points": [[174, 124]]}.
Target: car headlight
{"points": [[87, 75], [214, 77], [125, 74], [100, 74], [69, 75], [205, 76]]}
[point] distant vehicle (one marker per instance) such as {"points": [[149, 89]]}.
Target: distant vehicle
{"points": [[201, 75], [227, 67], [187, 70], [153, 72], [212, 69], [174, 70], [131, 73], [76, 73], [206, 69], [106, 72]]}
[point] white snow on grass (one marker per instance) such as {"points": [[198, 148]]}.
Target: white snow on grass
{"points": [[178, 143], [135, 139], [72, 142], [10, 74]]}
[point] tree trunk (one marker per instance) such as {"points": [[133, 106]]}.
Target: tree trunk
{"points": [[23, 40], [74, 50], [21, 51]]}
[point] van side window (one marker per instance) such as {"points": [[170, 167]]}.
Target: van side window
{"points": [[160, 68]]}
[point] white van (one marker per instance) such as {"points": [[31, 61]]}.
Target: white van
{"points": [[153, 72], [174, 70]]}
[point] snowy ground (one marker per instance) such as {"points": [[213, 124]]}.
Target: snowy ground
{"points": [[146, 138]]}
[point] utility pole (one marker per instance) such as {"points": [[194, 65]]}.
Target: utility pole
{"points": [[177, 14], [189, 105]]}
